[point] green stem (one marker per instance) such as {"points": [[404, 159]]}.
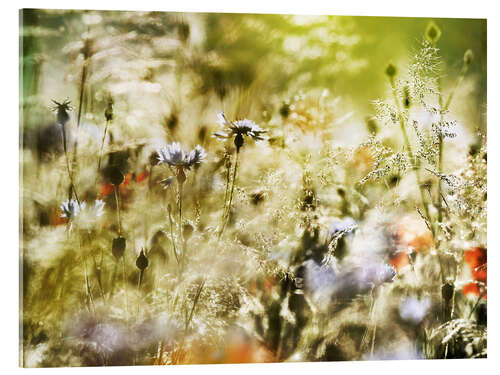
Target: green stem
{"points": [[229, 205]]}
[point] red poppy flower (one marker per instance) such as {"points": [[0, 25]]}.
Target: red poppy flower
{"points": [[476, 258], [141, 176]]}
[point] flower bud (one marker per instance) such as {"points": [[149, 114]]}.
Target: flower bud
{"points": [[433, 33], [142, 261], [390, 70], [468, 57], [118, 247], [108, 112]]}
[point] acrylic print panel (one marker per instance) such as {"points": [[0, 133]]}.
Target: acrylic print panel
{"points": [[233, 188]]}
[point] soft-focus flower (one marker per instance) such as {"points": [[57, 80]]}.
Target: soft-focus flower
{"points": [[411, 234], [414, 310], [325, 282], [238, 129], [477, 260], [71, 208], [399, 260], [339, 228]]}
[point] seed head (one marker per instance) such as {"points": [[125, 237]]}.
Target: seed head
{"points": [[142, 261], [62, 110]]}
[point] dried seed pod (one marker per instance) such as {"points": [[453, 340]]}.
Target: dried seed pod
{"points": [[142, 261], [118, 247]]}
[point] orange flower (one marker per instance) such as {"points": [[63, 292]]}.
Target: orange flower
{"points": [[399, 260], [412, 234], [476, 258]]}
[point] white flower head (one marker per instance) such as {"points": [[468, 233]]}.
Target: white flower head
{"points": [[71, 208], [238, 128], [175, 157]]}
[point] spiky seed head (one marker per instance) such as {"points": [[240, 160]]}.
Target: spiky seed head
{"points": [[433, 33], [118, 247], [142, 261], [62, 110], [391, 70]]}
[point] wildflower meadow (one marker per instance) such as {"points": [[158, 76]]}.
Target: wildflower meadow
{"points": [[233, 188]]}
